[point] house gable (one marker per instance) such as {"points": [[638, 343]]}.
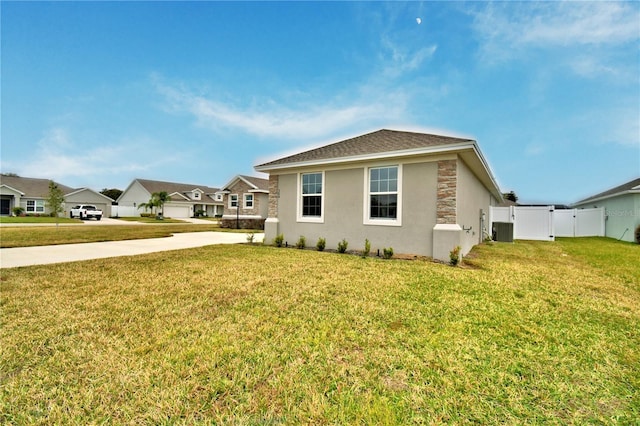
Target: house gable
{"points": [[245, 200], [419, 193], [199, 198]]}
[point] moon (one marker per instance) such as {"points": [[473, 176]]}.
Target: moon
{"points": [[419, 21]]}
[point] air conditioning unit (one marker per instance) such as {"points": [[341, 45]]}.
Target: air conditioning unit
{"points": [[502, 231]]}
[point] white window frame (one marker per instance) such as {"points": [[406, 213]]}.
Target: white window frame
{"points": [[231, 201], [38, 206], [367, 220], [246, 201], [310, 219], [196, 195]]}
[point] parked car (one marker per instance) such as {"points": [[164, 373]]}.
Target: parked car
{"points": [[85, 211]]}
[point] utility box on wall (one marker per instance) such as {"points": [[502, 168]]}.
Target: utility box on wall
{"points": [[502, 231]]}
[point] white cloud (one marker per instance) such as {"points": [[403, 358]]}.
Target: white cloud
{"points": [[559, 23], [510, 28], [268, 119], [403, 59], [61, 158]]}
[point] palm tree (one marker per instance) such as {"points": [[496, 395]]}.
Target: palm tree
{"points": [[160, 199], [148, 205]]}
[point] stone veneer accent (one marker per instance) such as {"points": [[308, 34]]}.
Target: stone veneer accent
{"points": [[447, 188], [273, 196]]}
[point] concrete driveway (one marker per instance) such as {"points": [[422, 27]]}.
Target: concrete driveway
{"points": [[43, 255]]}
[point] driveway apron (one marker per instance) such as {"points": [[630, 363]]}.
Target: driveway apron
{"points": [[43, 255]]}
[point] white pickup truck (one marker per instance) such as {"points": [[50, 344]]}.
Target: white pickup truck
{"points": [[85, 211]]}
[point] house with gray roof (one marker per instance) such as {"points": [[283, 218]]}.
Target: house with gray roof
{"points": [[246, 202], [185, 200], [418, 193], [31, 194], [622, 209]]}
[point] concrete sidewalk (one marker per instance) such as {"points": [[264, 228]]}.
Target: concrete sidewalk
{"points": [[43, 255]]}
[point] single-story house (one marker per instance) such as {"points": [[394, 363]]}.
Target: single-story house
{"points": [[417, 193], [31, 194], [186, 200], [622, 209], [246, 202]]}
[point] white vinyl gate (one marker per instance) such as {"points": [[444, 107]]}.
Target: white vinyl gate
{"points": [[545, 223], [579, 223]]}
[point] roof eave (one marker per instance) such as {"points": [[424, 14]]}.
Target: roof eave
{"points": [[441, 149], [265, 168], [605, 197]]}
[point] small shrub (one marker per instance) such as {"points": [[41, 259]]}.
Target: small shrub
{"points": [[638, 234], [302, 242], [454, 256], [321, 244], [278, 240], [18, 211], [342, 246], [387, 253], [250, 237], [367, 248]]}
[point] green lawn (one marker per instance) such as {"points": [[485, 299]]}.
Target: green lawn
{"points": [[40, 219], [38, 236], [525, 333]]}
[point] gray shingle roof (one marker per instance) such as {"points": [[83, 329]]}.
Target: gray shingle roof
{"points": [[171, 187], [377, 142], [613, 191], [258, 182], [32, 187]]}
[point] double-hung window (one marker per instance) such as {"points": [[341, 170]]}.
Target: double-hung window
{"points": [[383, 200], [248, 201], [311, 197], [35, 206], [233, 201]]}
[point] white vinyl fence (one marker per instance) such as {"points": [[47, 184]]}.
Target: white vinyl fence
{"points": [[125, 211], [580, 223], [545, 223]]}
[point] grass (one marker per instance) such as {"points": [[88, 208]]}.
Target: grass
{"points": [[38, 236], [39, 219], [526, 333]]}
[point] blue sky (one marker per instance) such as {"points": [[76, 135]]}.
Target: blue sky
{"points": [[95, 94]]}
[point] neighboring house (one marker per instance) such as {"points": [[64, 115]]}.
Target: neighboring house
{"points": [[31, 195], [417, 193], [246, 202], [186, 200], [622, 209]]}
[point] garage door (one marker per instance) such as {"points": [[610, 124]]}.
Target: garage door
{"points": [[177, 211]]}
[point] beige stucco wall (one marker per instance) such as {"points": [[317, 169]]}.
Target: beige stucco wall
{"points": [[344, 211], [472, 198], [623, 215]]}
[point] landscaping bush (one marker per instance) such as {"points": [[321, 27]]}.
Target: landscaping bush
{"points": [[18, 211], [454, 256], [387, 253], [638, 234], [321, 244], [302, 242], [367, 248], [342, 246], [278, 240]]}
